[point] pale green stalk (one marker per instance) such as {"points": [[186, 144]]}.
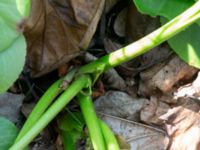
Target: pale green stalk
{"points": [[111, 141], [44, 102], [40, 108], [51, 113], [146, 43], [92, 122]]}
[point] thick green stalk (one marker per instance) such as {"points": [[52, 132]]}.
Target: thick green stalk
{"points": [[143, 45], [53, 110], [111, 141], [40, 108], [92, 122], [44, 102]]}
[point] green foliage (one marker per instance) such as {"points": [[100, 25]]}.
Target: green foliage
{"points": [[8, 133], [185, 44], [71, 126], [12, 42], [166, 8], [11, 63]]}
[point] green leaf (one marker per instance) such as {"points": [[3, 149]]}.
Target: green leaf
{"points": [[12, 43], [7, 35], [71, 121], [187, 45], [11, 63], [71, 126], [12, 13], [24, 7], [70, 139], [166, 8], [8, 133]]}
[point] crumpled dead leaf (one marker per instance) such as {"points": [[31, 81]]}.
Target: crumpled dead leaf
{"points": [[183, 127], [139, 136], [57, 30], [164, 78], [152, 110], [120, 104], [190, 90]]}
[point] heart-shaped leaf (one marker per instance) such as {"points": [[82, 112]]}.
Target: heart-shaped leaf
{"points": [[185, 44], [12, 42], [11, 63], [166, 8], [8, 133]]}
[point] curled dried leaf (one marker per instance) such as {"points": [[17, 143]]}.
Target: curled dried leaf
{"points": [[57, 30]]}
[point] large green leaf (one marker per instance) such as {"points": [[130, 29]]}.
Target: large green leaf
{"points": [[12, 13], [11, 63], [165, 8], [186, 44], [12, 43], [8, 133]]}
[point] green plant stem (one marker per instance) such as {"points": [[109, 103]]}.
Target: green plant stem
{"points": [[143, 45], [40, 108], [111, 141], [53, 110], [111, 60], [44, 102], [92, 122]]}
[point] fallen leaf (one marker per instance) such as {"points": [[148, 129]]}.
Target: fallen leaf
{"points": [[57, 30], [10, 106], [183, 127], [166, 77], [120, 23], [189, 90], [109, 5], [152, 110], [120, 104], [139, 136]]}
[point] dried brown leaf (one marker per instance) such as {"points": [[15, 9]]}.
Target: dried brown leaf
{"points": [[190, 90], [152, 110], [166, 77], [139, 136], [183, 127], [120, 104], [57, 30]]}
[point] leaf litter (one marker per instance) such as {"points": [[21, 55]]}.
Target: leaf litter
{"points": [[150, 102]]}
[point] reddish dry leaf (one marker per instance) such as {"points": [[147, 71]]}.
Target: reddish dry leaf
{"points": [[183, 127], [57, 30]]}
